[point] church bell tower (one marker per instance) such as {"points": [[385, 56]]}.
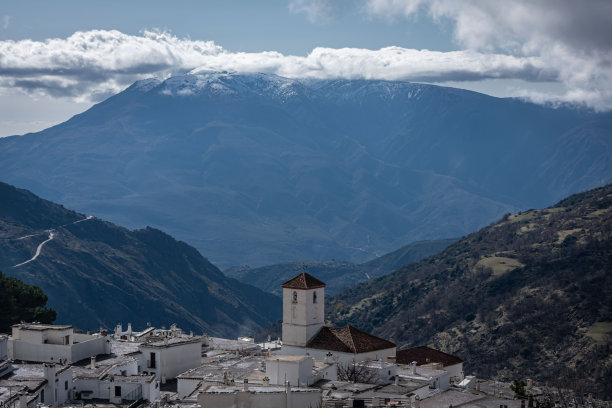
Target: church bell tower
{"points": [[303, 309]]}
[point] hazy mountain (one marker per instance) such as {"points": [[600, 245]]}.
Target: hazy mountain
{"points": [[527, 297], [257, 169], [337, 275], [96, 273]]}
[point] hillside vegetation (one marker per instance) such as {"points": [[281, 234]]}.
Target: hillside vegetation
{"points": [[96, 273], [21, 302], [527, 297]]}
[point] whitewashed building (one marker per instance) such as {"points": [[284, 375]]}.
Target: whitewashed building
{"points": [[168, 358], [427, 357], [228, 396], [48, 343], [304, 332]]}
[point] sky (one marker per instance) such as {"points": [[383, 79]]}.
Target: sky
{"points": [[57, 58]]}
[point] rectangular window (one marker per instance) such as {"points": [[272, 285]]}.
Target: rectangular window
{"points": [[152, 362], [117, 391], [65, 385]]}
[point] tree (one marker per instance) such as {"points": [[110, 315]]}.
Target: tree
{"points": [[518, 386], [21, 302], [357, 372]]}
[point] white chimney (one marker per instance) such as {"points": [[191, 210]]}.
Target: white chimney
{"points": [[414, 363], [92, 364], [129, 329], [165, 341], [266, 381], [396, 380], [382, 364], [23, 400], [246, 384]]}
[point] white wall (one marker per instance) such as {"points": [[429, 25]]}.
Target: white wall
{"points": [[52, 353], [304, 318], [296, 372], [342, 357], [186, 386], [261, 399], [59, 384], [171, 360]]}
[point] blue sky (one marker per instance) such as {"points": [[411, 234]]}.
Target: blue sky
{"points": [[59, 57]]}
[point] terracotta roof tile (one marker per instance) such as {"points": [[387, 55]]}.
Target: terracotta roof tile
{"points": [[303, 281], [347, 340], [425, 355]]}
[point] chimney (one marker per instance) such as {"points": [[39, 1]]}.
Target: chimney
{"points": [[414, 363], [165, 341], [129, 329], [396, 380], [92, 363], [23, 400], [246, 384], [266, 381], [382, 364]]}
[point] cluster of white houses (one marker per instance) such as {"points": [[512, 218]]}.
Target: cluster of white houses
{"points": [[311, 367]]}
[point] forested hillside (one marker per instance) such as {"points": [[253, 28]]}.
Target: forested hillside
{"points": [[527, 297]]}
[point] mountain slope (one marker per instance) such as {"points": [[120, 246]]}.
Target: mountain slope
{"points": [[527, 297], [257, 169], [96, 273], [337, 275]]}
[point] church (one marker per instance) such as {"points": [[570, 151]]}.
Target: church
{"points": [[305, 333]]}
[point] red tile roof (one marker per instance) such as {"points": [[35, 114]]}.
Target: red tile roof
{"points": [[303, 281], [425, 355], [347, 340]]}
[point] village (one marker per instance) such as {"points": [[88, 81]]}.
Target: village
{"points": [[313, 365]]}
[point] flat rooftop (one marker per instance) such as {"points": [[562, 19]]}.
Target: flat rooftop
{"points": [[172, 342], [258, 389], [41, 327]]}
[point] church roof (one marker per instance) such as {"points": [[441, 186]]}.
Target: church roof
{"points": [[303, 281], [347, 339], [425, 355]]}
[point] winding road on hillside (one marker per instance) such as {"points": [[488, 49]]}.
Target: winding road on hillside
{"points": [[52, 234]]}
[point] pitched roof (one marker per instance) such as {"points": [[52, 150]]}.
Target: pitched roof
{"points": [[303, 281], [425, 355], [347, 339]]}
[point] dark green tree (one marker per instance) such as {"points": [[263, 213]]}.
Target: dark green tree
{"points": [[21, 302], [518, 386]]}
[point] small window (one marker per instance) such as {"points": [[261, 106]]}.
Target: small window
{"points": [[65, 385], [117, 391], [314, 297], [294, 296]]}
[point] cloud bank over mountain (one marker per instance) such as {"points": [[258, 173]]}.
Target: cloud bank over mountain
{"points": [[549, 42], [570, 37]]}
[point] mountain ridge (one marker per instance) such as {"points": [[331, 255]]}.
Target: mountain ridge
{"points": [[285, 169], [96, 273]]}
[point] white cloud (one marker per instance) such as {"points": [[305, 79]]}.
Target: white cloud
{"points": [[570, 36], [94, 64]]}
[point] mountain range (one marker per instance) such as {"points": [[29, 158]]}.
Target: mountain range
{"points": [[337, 275], [258, 169], [527, 297], [98, 274]]}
